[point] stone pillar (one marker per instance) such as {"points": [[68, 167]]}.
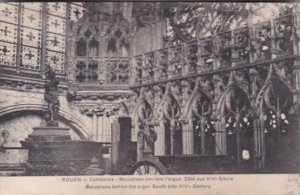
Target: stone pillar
{"points": [[94, 127], [221, 137], [188, 138], [115, 132], [100, 132], [259, 151], [160, 147], [203, 143], [238, 137], [296, 45], [107, 125], [121, 145]]}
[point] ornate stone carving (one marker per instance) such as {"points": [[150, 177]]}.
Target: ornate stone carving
{"points": [[207, 54], [3, 139], [242, 45], [119, 109], [176, 90], [275, 93], [268, 93], [285, 70], [255, 84], [199, 103], [190, 57], [90, 110], [158, 95], [118, 71], [170, 109], [189, 21], [144, 14], [143, 115], [242, 78], [220, 83], [206, 82], [234, 98], [174, 60], [148, 65], [138, 69], [146, 138], [51, 97], [162, 67], [187, 88], [225, 52], [262, 41], [283, 31]]}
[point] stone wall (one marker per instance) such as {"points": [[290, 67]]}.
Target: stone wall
{"points": [[15, 101], [19, 113], [19, 125]]}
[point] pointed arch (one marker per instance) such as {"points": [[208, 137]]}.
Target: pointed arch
{"points": [[143, 109], [274, 104], [233, 98], [169, 106], [123, 109], [233, 108], [198, 96], [170, 112], [276, 84], [199, 135], [143, 128]]}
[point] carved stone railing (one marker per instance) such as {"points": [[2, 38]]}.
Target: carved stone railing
{"points": [[270, 40], [220, 87]]}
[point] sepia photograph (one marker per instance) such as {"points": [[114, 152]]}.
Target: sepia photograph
{"points": [[137, 89]]}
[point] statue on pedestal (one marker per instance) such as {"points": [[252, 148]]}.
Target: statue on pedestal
{"points": [[51, 97], [146, 138]]}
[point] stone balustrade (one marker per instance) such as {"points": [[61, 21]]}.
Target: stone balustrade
{"points": [[250, 45]]}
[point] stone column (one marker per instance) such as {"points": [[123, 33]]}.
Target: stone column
{"points": [[221, 137], [259, 150], [94, 127], [188, 138], [100, 129], [115, 146], [108, 128], [203, 139], [159, 146]]}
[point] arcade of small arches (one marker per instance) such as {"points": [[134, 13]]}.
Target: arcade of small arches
{"points": [[249, 121]]}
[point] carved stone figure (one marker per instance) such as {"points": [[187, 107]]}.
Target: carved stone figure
{"points": [[51, 97], [146, 138]]}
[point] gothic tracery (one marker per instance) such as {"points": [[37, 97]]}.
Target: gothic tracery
{"points": [[207, 79]]}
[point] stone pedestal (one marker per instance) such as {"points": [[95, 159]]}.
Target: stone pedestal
{"points": [[52, 152]]}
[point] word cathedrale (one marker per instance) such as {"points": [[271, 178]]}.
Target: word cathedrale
{"points": [[154, 179]]}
